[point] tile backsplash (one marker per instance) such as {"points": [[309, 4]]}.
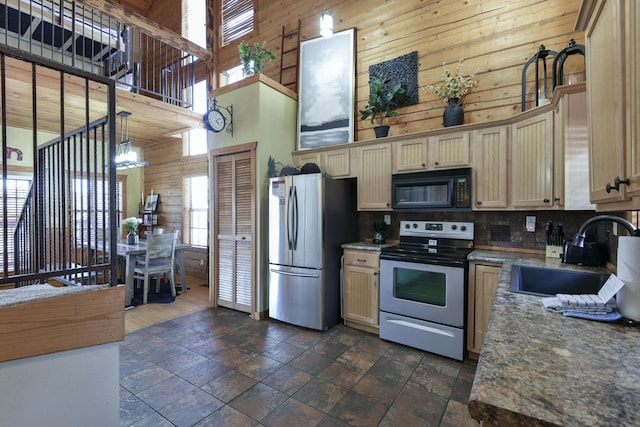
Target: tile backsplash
{"points": [[499, 229]]}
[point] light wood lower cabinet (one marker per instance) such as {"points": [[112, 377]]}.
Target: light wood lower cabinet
{"points": [[361, 293], [483, 284]]}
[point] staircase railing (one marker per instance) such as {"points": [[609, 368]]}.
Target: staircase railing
{"points": [[136, 52], [64, 231]]}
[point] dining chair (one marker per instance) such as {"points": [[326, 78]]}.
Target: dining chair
{"points": [[158, 259]]}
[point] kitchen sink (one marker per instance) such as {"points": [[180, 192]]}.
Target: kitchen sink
{"points": [[550, 281]]}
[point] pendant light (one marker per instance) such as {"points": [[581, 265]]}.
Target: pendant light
{"points": [[126, 158], [326, 24]]}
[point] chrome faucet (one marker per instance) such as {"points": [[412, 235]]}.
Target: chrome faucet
{"points": [[574, 251], [578, 240]]}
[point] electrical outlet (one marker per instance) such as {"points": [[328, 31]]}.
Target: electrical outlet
{"points": [[531, 224], [387, 219], [201, 263]]}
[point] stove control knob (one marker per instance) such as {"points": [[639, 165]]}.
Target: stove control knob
{"points": [[407, 225], [454, 227], [415, 225], [463, 228]]}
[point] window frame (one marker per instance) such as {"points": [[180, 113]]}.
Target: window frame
{"points": [[187, 228]]}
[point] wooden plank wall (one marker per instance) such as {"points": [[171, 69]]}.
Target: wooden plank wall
{"points": [[495, 37], [165, 173]]}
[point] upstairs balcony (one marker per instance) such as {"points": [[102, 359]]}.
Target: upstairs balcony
{"points": [[154, 68]]}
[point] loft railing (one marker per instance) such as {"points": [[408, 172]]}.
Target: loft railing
{"points": [[141, 56]]}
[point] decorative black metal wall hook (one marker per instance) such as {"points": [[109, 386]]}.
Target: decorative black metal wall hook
{"points": [[558, 61], [540, 55]]}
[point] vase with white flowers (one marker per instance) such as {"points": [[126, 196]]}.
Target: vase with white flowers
{"points": [[453, 87], [132, 224]]}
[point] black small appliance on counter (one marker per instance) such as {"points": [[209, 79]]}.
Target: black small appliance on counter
{"points": [[380, 235]]}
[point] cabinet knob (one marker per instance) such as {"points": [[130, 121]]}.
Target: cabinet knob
{"points": [[616, 185], [557, 200], [479, 202], [375, 273], [546, 200], [436, 163], [423, 165], [361, 260]]}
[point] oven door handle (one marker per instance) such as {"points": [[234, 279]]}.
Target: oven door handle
{"points": [[422, 327]]}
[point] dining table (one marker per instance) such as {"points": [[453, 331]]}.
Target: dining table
{"points": [[129, 252]]}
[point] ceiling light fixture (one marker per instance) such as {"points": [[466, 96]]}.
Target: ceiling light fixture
{"points": [[326, 24], [126, 158]]}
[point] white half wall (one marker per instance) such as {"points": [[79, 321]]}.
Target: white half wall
{"points": [[71, 388]]}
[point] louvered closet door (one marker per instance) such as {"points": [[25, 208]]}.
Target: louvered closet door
{"points": [[234, 206]]}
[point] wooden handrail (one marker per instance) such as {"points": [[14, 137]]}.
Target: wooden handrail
{"points": [[150, 27]]}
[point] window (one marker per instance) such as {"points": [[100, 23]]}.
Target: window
{"points": [[194, 27], [194, 142], [91, 207], [17, 192], [237, 18], [232, 75], [196, 208]]}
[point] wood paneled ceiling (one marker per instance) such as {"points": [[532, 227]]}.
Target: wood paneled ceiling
{"points": [[151, 120], [140, 6]]}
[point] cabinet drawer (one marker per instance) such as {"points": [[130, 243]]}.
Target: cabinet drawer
{"points": [[362, 258]]}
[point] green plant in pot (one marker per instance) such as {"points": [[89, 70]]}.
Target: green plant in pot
{"points": [[383, 100], [254, 57]]}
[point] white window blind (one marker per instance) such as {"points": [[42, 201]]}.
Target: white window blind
{"points": [[17, 192], [237, 20], [196, 207], [194, 17], [194, 142]]}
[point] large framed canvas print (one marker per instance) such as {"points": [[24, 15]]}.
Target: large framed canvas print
{"points": [[326, 90]]}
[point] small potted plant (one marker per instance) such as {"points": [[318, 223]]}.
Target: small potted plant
{"points": [[453, 88], [383, 100], [132, 224], [254, 57]]}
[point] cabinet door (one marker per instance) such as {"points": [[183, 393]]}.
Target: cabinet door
{"points": [[361, 294], [449, 151], [605, 81], [336, 163], [483, 284], [532, 162], [410, 155], [374, 177], [301, 158], [633, 110], [490, 168]]}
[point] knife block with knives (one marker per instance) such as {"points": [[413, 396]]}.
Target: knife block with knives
{"points": [[554, 242]]}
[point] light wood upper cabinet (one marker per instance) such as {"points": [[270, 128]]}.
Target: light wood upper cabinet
{"points": [[372, 165], [361, 292], [410, 155], [335, 163], [449, 151], [612, 55], [483, 284], [532, 162], [490, 169]]}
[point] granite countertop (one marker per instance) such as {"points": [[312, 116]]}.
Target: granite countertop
{"points": [[542, 368], [33, 293], [368, 245]]}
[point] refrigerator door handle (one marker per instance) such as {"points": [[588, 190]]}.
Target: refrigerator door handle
{"points": [[295, 216], [289, 218], [286, 273]]}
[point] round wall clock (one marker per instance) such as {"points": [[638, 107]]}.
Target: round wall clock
{"points": [[214, 120]]}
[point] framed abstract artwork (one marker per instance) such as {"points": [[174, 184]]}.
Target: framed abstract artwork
{"points": [[326, 87]]}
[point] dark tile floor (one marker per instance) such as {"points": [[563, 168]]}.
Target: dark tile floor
{"points": [[218, 367]]}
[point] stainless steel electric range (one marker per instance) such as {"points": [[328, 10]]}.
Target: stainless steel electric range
{"points": [[423, 286]]}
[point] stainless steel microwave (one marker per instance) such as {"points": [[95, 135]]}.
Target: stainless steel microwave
{"points": [[447, 190]]}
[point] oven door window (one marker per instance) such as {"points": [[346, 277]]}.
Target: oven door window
{"points": [[427, 287]]}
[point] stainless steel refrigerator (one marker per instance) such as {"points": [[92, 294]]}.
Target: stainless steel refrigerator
{"points": [[310, 217]]}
